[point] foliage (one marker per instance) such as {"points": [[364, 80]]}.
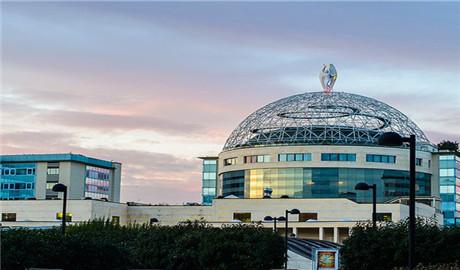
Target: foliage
{"points": [[386, 246], [103, 245], [448, 145], [448, 266]]}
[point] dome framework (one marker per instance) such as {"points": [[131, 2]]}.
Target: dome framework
{"points": [[322, 118]]}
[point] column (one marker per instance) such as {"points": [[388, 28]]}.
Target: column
{"points": [[336, 234], [321, 233]]}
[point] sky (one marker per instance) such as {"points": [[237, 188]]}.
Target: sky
{"points": [[155, 85]]}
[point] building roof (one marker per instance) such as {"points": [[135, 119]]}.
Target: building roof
{"points": [[322, 118], [56, 158]]}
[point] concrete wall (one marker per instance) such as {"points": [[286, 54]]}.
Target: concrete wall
{"points": [[335, 216], [40, 180], [115, 182], [43, 212]]}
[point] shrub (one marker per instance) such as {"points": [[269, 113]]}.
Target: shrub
{"points": [[386, 247], [103, 245]]}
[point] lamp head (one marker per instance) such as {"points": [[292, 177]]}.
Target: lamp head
{"points": [[281, 218], [153, 220], [390, 139], [362, 186], [268, 218], [59, 188], [294, 211]]}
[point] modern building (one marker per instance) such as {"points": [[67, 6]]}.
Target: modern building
{"points": [[306, 151], [448, 168], [209, 179], [33, 176]]}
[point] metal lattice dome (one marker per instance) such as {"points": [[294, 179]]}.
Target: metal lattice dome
{"points": [[322, 118]]}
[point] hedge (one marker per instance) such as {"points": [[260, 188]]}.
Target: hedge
{"points": [[103, 245], [386, 247]]}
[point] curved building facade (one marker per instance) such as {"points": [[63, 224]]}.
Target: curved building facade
{"points": [[320, 145]]}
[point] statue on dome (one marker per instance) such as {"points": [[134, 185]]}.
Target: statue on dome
{"points": [[328, 76]]}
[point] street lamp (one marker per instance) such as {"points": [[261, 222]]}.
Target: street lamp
{"points": [[364, 186], [274, 219], [62, 188], [394, 139], [292, 212]]}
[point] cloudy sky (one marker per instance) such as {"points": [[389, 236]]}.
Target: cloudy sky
{"points": [[155, 85]]}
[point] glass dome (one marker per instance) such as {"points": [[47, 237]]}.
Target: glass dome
{"points": [[322, 118]]}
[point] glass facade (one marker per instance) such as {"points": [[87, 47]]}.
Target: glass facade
{"points": [[449, 189], [322, 183], [17, 181], [97, 182], [209, 180]]}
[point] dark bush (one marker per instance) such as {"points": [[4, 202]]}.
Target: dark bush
{"points": [[386, 247], [102, 245]]}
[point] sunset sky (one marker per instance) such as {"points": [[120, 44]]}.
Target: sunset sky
{"points": [[155, 85]]}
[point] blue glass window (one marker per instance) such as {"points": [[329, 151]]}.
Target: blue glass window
{"points": [[294, 157], [380, 158], [338, 157]]}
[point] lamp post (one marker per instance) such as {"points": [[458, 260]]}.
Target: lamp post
{"points": [[293, 212], [62, 188], [394, 139], [364, 186], [274, 219]]}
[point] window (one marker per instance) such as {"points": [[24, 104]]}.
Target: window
{"points": [[294, 157], [446, 189], [210, 162], [230, 161], [243, 217], [8, 216], [447, 158], [307, 216], [53, 171], [210, 175], [418, 162], [257, 159], [380, 158], [338, 157], [50, 185], [68, 218], [384, 216], [446, 172], [21, 171]]}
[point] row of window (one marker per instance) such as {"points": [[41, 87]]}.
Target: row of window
{"points": [[52, 171], [303, 217], [97, 173], [381, 158], [17, 171], [295, 157], [16, 186], [324, 157], [229, 161], [257, 159], [338, 157]]}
